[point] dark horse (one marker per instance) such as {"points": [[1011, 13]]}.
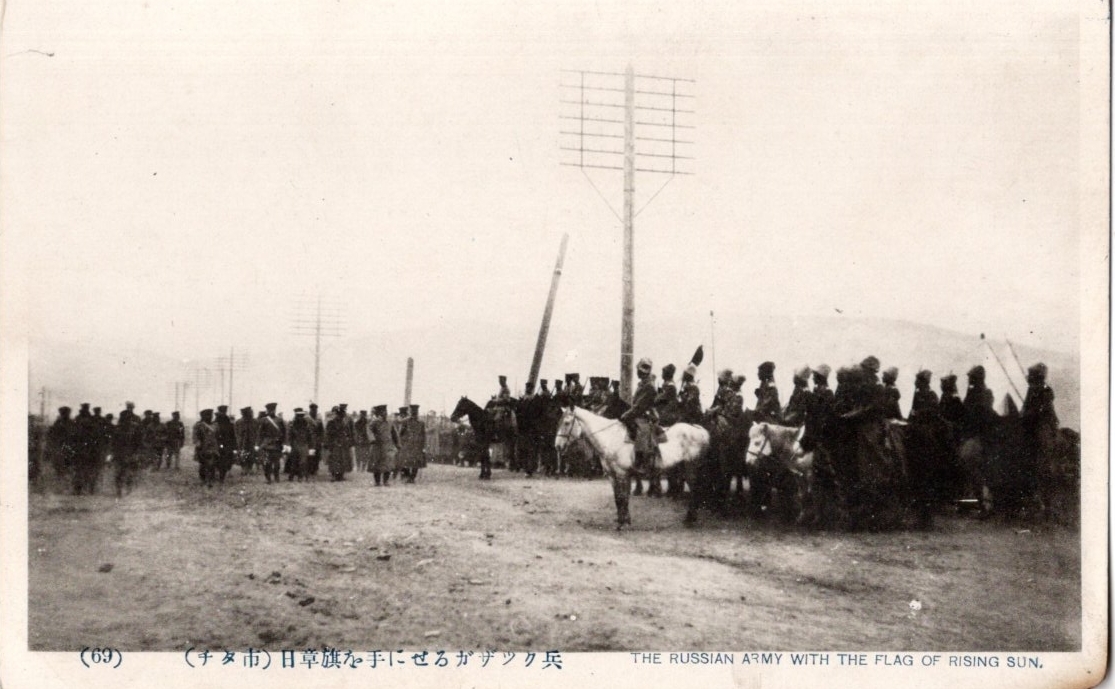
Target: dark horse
{"points": [[483, 430]]}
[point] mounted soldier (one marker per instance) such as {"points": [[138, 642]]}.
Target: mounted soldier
{"points": [[722, 399], [797, 407], [689, 399], [573, 389], [640, 419], [666, 404], [767, 406], [891, 410]]}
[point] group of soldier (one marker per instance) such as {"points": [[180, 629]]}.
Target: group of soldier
{"points": [[837, 424], [80, 447]]}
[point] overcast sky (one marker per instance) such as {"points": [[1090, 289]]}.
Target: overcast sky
{"points": [[175, 174]]}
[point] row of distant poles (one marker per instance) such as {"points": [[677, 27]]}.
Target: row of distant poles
{"points": [[653, 120]]}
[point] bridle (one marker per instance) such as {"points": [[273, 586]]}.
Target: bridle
{"points": [[569, 434], [759, 453]]}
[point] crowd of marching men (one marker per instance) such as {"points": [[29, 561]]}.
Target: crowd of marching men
{"points": [[78, 447]]}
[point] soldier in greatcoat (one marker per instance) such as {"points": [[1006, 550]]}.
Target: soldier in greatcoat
{"points": [[1040, 427], [300, 437], [412, 441], [385, 445], [270, 435], [362, 441], [318, 425], [245, 428], [126, 440], [176, 439], [86, 459], [226, 439], [338, 443], [573, 389], [207, 447]]}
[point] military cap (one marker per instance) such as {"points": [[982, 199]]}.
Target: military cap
{"points": [[645, 365], [766, 370], [724, 377], [336, 409], [871, 363], [343, 406], [615, 384], [802, 373], [414, 409], [1038, 370], [271, 406], [668, 371], [977, 373], [529, 387], [572, 378], [924, 375], [64, 410], [175, 414], [222, 408], [313, 405], [503, 380], [130, 405], [156, 415], [403, 411], [243, 410], [261, 414], [690, 371], [206, 412], [948, 383], [822, 370], [544, 383], [379, 409], [890, 375], [96, 410], [598, 382], [558, 383]]}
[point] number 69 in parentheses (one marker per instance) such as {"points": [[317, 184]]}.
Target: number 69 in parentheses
{"points": [[91, 656]]}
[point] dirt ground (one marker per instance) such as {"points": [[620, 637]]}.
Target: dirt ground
{"points": [[515, 563]]}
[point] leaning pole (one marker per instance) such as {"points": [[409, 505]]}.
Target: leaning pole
{"points": [[410, 381], [544, 330]]}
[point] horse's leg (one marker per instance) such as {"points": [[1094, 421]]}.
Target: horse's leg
{"points": [[620, 488]]}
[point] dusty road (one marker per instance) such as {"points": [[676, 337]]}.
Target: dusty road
{"points": [[516, 563]]}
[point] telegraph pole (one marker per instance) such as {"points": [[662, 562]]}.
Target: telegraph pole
{"points": [[231, 364], [410, 381], [318, 319], [592, 140], [544, 330]]}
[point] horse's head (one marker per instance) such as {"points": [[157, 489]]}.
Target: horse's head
{"points": [[462, 408], [568, 430], [759, 443]]}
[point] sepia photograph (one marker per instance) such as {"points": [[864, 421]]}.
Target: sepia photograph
{"points": [[555, 344]]}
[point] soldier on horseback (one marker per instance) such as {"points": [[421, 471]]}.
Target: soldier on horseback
{"points": [[639, 418], [722, 399], [767, 406], [891, 410], [798, 405], [690, 396], [666, 403]]}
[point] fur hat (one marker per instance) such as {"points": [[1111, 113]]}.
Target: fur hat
{"points": [[923, 376], [690, 372], [890, 375], [724, 377], [1037, 371], [871, 363], [977, 373], [766, 370], [668, 371], [802, 374], [645, 365], [823, 370]]}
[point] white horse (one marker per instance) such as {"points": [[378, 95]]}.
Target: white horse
{"points": [[608, 437], [775, 460]]}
